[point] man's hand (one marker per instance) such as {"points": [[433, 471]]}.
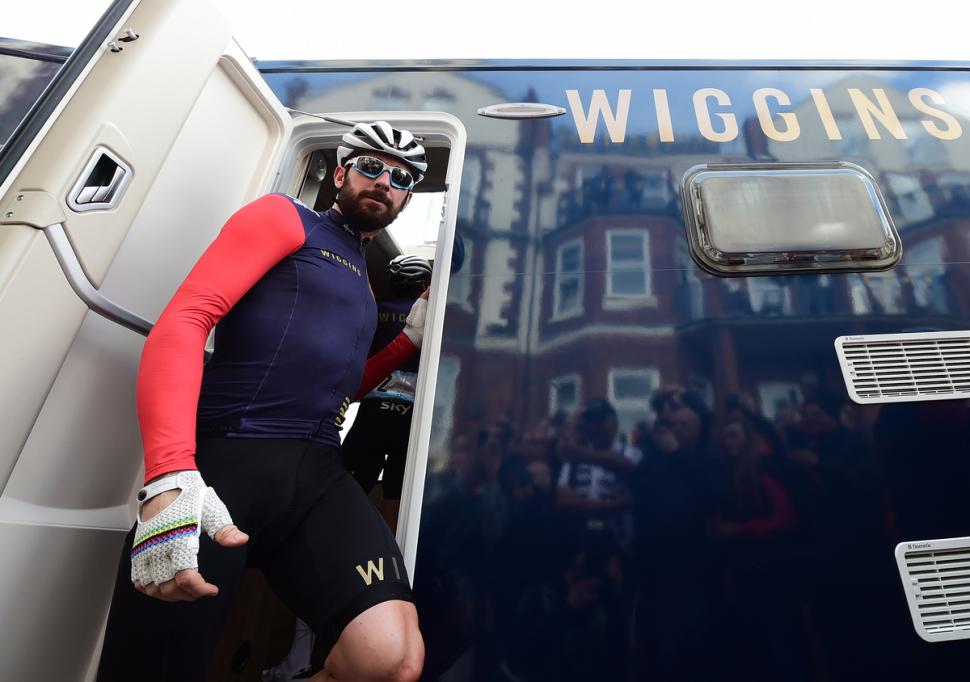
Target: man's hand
{"points": [[164, 561]]}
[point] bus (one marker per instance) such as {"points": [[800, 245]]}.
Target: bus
{"points": [[692, 403]]}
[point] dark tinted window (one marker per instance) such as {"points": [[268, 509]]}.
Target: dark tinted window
{"points": [[25, 70]]}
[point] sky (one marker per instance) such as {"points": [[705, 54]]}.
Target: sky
{"points": [[602, 29]]}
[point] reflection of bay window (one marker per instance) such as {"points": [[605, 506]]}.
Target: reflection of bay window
{"points": [[443, 413], [564, 394], [923, 149], [779, 399], [471, 182], [628, 264], [568, 294], [879, 291], [954, 188], [495, 303], [768, 296], [912, 199], [630, 391], [925, 270], [460, 283], [390, 98]]}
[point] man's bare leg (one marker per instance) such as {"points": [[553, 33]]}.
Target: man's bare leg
{"points": [[381, 644]]}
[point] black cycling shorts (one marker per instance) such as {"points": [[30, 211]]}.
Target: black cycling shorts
{"points": [[379, 440], [323, 547]]}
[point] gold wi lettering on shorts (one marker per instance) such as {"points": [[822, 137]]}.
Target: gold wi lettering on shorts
{"points": [[372, 570]]}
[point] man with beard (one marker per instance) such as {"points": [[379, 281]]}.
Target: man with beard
{"points": [[260, 424]]}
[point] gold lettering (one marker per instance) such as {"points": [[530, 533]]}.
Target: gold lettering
{"points": [[344, 406], [372, 570], [883, 111], [703, 115], [953, 129], [825, 113], [663, 116], [791, 130], [586, 123]]}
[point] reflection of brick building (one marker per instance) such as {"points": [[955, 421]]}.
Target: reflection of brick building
{"points": [[580, 284], [617, 306], [582, 312]]}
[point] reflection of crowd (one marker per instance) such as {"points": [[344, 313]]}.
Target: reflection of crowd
{"points": [[699, 546]]}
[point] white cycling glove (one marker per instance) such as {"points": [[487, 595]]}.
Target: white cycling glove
{"points": [[169, 541], [414, 325]]}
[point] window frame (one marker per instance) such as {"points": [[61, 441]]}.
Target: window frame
{"points": [[557, 312], [619, 404], [573, 377], [615, 297], [67, 79]]}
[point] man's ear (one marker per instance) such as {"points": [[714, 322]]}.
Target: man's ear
{"points": [[407, 200], [339, 175]]}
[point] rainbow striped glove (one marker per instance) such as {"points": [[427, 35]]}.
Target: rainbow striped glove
{"points": [[169, 541]]}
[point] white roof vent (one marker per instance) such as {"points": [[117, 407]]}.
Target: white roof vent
{"points": [[888, 368], [936, 578]]}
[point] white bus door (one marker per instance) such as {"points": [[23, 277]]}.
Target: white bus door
{"points": [[164, 131]]}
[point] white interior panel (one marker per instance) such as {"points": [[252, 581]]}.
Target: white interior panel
{"points": [[38, 315], [88, 422], [203, 134], [64, 566]]}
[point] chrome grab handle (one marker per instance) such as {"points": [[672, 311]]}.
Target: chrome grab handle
{"points": [[86, 291]]}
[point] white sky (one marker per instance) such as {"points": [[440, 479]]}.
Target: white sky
{"points": [[646, 29]]}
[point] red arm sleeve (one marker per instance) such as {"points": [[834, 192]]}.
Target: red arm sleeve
{"points": [[254, 239], [385, 361]]}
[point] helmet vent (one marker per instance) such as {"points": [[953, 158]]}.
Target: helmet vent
{"points": [[936, 579], [885, 368]]}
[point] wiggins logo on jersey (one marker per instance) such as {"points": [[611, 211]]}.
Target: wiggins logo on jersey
{"points": [[385, 316], [336, 258]]}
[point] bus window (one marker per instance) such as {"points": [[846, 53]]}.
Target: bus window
{"points": [[762, 219]]}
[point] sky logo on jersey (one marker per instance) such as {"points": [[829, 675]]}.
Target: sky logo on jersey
{"points": [[395, 407], [340, 259]]}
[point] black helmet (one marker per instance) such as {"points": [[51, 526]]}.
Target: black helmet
{"points": [[409, 273]]}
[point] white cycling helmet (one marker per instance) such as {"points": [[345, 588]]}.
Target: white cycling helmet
{"points": [[380, 136]]}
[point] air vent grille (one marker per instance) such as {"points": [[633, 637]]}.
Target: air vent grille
{"points": [[903, 367], [936, 577]]}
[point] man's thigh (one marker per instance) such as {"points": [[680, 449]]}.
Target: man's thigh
{"points": [[339, 558]]}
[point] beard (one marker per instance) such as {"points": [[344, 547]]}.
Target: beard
{"points": [[366, 216]]}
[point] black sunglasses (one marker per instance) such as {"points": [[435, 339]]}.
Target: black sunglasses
{"points": [[373, 168]]}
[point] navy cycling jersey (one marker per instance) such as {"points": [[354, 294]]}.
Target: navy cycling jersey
{"points": [[289, 355], [392, 315]]}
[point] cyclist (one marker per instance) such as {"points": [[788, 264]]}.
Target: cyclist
{"points": [[259, 423], [378, 439]]}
